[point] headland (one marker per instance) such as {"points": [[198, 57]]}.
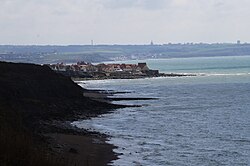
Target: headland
{"points": [[87, 71], [36, 108]]}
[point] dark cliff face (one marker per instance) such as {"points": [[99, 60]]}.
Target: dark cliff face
{"points": [[37, 93], [36, 82]]}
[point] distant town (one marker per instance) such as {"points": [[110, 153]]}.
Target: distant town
{"points": [[104, 71], [50, 54], [84, 70]]}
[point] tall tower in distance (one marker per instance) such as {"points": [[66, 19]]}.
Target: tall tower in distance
{"points": [[151, 43], [92, 42]]}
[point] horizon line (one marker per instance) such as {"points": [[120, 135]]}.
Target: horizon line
{"points": [[149, 44]]}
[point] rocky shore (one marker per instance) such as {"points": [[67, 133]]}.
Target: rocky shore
{"points": [[36, 106]]}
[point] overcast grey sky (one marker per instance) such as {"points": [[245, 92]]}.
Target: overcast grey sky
{"points": [[123, 21]]}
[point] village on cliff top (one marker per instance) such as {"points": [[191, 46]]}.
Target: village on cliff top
{"points": [[84, 70], [104, 71]]}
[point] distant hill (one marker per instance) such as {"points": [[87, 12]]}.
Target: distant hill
{"points": [[100, 53]]}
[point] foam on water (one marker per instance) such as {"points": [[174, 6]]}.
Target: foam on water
{"points": [[182, 129], [200, 120]]}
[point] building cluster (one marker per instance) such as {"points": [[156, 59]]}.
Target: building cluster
{"points": [[83, 69]]}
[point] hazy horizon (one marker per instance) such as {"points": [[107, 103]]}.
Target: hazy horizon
{"points": [[123, 44], [123, 22]]}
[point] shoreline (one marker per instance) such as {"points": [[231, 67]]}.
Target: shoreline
{"points": [[87, 149], [133, 77], [96, 143], [36, 108], [39, 104], [83, 146]]}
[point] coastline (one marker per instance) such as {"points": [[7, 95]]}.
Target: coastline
{"points": [[84, 149], [133, 77], [96, 151], [39, 105]]}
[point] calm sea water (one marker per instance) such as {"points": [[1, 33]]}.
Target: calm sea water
{"points": [[201, 120]]}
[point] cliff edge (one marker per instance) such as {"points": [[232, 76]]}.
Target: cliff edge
{"points": [[32, 99]]}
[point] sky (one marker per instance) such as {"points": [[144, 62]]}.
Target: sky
{"points": [[64, 22]]}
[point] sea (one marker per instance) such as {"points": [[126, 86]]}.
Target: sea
{"points": [[198, 121]]}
